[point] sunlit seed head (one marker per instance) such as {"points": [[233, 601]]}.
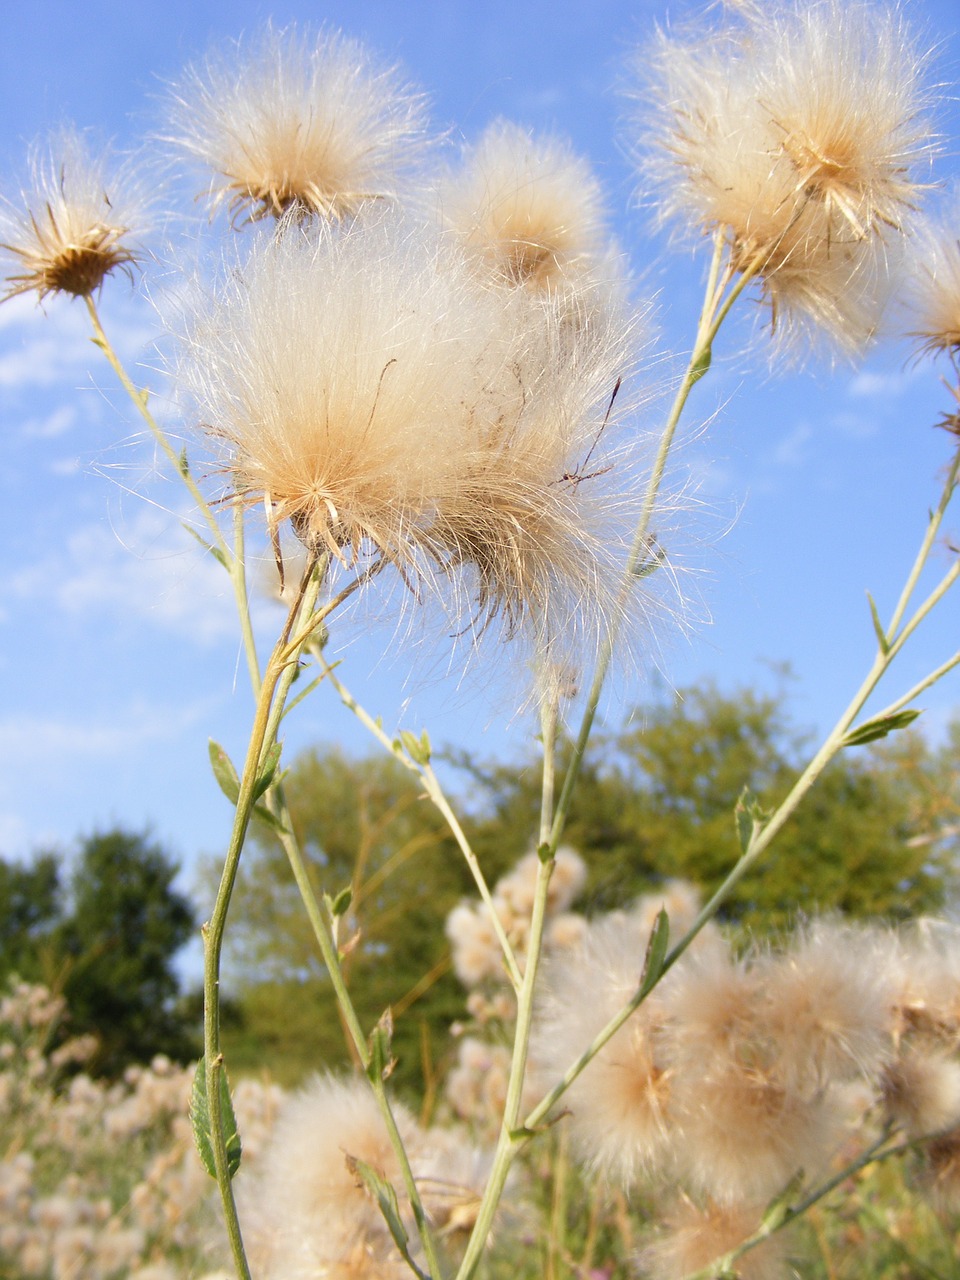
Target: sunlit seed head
{"points": [[920, 1091], [338, 370], [619, 1106], [297, 118], [538, 520], [934, 282], [75, 225], [799, 135], [528, 208]]}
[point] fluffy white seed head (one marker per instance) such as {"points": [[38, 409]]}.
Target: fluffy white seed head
{"points": [[619, 1104], [934, 282], [78, 221], [547, 497], [297, 118], [338, 370], [530, 211], [305, 1211], [797, 134]]}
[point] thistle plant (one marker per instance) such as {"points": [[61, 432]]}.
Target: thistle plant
{"points": [[430, 378]]}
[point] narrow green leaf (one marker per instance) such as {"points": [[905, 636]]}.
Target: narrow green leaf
{"points": [[268, 772], [200, 1120], [224, 772], [656, 952], [341, 903], [217, 554], [878, 630], [263, 814], [749, 817], [183, 466], [389, 1206], [382, 1061], [879, 727], [416, 748], [778, 1209]]}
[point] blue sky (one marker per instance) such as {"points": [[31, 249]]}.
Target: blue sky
{"points": [[118, 651]]}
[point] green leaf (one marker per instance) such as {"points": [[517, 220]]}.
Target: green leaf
{"points": [[749, 816], [200, 1120], [653, 560], [382, 1061], [656, 952], [418, 749], [183, 466], [224, 772], [702, 365], [878, 630], [386, 1199], [879, 727], [263, 814], [268, 772], [341, 903], [217, 554]]}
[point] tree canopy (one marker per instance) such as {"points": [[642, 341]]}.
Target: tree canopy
{"points": [[103, 931]]}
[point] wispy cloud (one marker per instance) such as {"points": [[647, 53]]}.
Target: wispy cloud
{"points": [[148, 570]]}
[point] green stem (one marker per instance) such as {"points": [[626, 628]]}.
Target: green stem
{"points": [[512, 1135], [438, 798], [717, 304]]}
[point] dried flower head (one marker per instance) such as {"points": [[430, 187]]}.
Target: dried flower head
{"points": [[619, 1104], [797, 133], [538, 518], [528, 209], [75, 225], [339, 369], [307, 1211], [934, 292], [298, 118]]}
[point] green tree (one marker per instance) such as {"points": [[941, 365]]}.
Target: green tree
{"points": [[106, 942], [657, 800], [29, 913]]}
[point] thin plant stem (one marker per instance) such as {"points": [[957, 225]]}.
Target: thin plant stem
{"points": [[718, 300], [233, 561], [213, 930], [438, 798], [512, 1136], [781, 1216]]}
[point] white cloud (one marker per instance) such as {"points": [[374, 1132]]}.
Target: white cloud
{"points": [[52, 424], [147, 570], [868, 384]]}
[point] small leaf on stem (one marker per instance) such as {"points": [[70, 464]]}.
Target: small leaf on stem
{"points": [[224, 772], [749, 817], [386, 1199], [200, 1120], [418, 749], [879, 727], [656, 952], [879, 632], [269, 770], [382, 1061]]}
